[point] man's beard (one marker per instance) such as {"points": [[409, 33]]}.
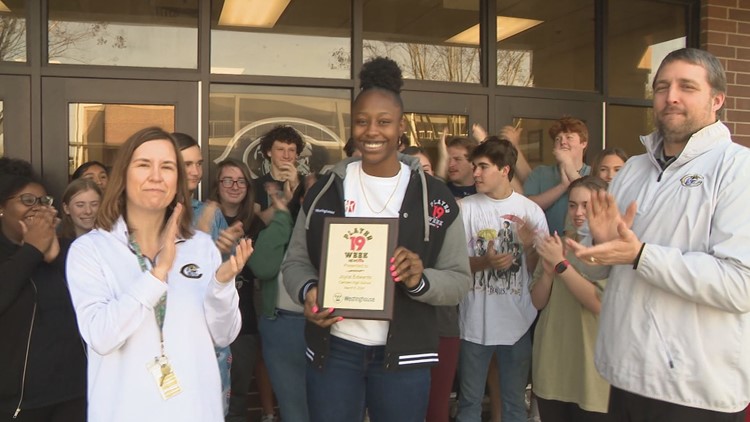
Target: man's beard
{"points": [[679, 133], [674, 132]]}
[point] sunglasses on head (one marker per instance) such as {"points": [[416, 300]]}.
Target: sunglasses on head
{"points": [[30, 200]]}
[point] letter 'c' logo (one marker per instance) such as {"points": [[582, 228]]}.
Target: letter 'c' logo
{"points": [[191, 271]]}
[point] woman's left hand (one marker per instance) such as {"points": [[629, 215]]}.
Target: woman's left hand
{"points": [[234, 264], [551, 249], [406, 267]]}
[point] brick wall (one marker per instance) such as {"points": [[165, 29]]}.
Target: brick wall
{"points": [[725, 32]]}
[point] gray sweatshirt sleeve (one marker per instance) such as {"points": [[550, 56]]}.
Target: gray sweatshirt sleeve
{"points": [[297, 268], [450, 279]]}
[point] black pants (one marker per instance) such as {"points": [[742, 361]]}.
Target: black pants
{"points": [[68, 411], [629, 407], [560, 411]]}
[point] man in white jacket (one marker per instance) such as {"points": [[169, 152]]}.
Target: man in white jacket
{"points": [[675, 328]]}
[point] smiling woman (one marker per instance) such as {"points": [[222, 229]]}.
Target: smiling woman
{"points": [[120, 275], [430, 267], [80, 204], [43, 361]]}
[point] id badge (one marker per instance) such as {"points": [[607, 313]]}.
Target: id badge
{"points": [[164, 377]]}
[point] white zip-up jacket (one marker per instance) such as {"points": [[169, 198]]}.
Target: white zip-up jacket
{"points": [[677, 328], [114, 302]]}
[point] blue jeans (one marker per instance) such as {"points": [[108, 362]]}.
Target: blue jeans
{"points": [[283, 342], [513, 363], [224, 360], [354, 377]]}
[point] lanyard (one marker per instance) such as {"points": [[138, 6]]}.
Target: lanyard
{"points": [[160, 310]]}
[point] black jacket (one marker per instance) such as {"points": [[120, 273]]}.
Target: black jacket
{"points": [[42, 357], [429, 225]]}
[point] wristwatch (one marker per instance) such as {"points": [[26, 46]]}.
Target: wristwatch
{"points": [[562, 266]]}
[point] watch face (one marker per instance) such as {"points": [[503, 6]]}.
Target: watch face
{"points": [[561, 266]]}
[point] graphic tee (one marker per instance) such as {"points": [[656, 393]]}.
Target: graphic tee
{"points": [[498, 309]]}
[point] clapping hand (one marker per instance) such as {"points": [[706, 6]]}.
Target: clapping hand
{"points": [[168, 250], [551, 249], [229, 237], [512, 134], [234, 264], [498, 261], [39, 231], [604, 216], [279, 199]]}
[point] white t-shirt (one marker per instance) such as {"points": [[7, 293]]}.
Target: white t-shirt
{"points": [[498, 309], [375, 197]]}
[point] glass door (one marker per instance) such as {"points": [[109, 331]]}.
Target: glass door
{"points": [[88, 119], [428, 114], [15, 120], [535, 116]]}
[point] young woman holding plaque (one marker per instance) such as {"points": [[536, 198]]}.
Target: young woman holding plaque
{"points": [[152, 296], [383, 366]]}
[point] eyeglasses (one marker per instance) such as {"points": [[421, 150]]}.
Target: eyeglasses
{"points": [[227, 182], [30, 200]]}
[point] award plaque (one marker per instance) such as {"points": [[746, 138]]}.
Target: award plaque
{"points": [[355, 278]]}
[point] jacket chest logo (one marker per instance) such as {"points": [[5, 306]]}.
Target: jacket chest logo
{"points": [[191, 271], [438, 210], [691, 180]]}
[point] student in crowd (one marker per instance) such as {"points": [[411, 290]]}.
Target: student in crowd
{"points": [[459, 169], [153, 298], [608, 162], [675, 320], [568, 294], [282, 322], [80, 202], [429, 265], [513, 134], [443, 374], [282, 145], [547, 186], [208, 219], [424, 160], [496, 315], [93, 170], [232, 191], [43, 359], [214, 223]]}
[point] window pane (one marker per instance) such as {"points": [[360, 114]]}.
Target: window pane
{"points": [[425, 130], [294, 38], [240, 115], [434, 40], [546, 44], [625, 125], [535, 142], [98, 130], [12, 31], [124, 33], [640, 34]]}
